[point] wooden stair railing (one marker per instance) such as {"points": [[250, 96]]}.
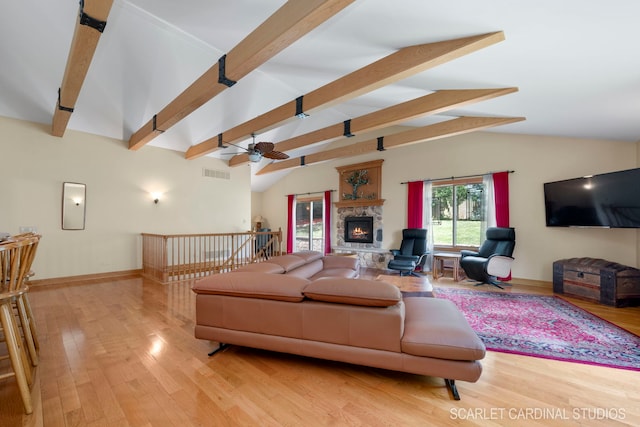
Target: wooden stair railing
{"points": [[176, 257]]}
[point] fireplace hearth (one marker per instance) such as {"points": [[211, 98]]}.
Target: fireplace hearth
{"points": [[358, 229]]}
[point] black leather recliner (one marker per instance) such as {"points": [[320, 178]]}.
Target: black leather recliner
{"points": [[412, 252], [493, 259]]}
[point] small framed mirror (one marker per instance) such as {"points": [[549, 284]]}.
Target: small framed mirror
{"points": [[74, 197]]}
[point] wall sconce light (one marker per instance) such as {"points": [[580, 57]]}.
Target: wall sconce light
{"points": [[156, 197]]}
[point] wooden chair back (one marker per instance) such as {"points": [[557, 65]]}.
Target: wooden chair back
{"points": [[16, 258]]}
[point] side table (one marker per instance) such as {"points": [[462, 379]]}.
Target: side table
{"points": [[439, 258]]}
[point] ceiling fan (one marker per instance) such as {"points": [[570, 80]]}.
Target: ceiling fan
{"points": [[257, 151]]}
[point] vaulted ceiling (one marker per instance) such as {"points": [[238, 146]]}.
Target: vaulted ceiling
{"points": [[151, 77]]}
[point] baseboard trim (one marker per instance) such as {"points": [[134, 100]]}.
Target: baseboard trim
{"points": [[530, 282], [85, 278], [138, 272]]}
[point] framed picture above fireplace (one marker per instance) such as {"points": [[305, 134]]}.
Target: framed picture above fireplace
{"points": [[360, 184]]}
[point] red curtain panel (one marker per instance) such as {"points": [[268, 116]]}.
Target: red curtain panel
{"points": [[291, 231], [501, 192], [415, 204], [327, 222]]}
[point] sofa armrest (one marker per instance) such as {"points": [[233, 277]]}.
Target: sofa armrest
{"points": [[334, 261]]}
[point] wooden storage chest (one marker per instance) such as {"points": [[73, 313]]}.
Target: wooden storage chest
{"points": [[597, 280]]}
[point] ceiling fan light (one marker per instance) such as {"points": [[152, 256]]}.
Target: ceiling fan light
{"points": [[255, 157]]}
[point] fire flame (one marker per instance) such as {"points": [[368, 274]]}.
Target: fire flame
{"points": [[358, 232]]}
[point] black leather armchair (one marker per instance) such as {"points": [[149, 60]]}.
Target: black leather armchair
{"points": [[493, 259], [412, 252]]}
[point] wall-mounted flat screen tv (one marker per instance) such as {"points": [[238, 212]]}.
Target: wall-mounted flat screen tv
{"points": [[606, 200]]}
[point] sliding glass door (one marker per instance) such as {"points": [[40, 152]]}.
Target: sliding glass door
{"points": [[309, 225]]}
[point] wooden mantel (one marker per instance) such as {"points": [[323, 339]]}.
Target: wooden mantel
{"points": [[356, 203], [360, 184]]}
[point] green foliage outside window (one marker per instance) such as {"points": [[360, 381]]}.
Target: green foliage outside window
{"points": [[468, 233], [467, 214]]}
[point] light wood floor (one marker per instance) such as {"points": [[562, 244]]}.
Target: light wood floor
{"points": [[122, 353]]}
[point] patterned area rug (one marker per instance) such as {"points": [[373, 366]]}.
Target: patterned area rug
{"points": [[545, 326]]}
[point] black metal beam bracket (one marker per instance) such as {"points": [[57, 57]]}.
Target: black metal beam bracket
{"points": [[155, 128], [347, 129], [60, 107], [222, 78], [299, 111], [90, 21], [220, 144]]}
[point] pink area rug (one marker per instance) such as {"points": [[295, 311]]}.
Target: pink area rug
{"points": [[545, 326]]}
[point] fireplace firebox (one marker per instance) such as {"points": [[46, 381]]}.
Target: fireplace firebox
{"points": [[358, 229]]}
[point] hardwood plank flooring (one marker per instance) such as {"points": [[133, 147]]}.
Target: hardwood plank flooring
{"points": [[122, 353]]}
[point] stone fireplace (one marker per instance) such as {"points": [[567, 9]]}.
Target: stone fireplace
{"points": [[370, 254], [359, 224], [355, 216]]}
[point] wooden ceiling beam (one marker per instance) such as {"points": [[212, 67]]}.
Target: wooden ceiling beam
{"points": [[444, 129], [289, 23], [432, 103], [401, 64], [92, 19]]}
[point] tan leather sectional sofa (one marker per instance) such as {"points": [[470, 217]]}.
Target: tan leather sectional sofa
{"points": [[329, 314]]}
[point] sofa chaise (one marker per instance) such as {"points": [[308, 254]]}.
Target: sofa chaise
{"points": [[328, 314]]}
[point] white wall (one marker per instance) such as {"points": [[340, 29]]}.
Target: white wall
{"points": [[535, 160], [256, 209], [34, 164]]}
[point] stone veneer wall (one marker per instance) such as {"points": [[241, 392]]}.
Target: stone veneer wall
{"points": [[370, 254]]}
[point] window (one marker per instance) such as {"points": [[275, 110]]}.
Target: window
{"points": [[457, 213], [309, 225]]}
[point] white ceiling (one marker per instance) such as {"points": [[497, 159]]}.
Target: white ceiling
{"points": [[575, 62]]}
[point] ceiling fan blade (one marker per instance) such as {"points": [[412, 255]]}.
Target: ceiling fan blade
{"points": [[264, 147], [276, 155]]}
